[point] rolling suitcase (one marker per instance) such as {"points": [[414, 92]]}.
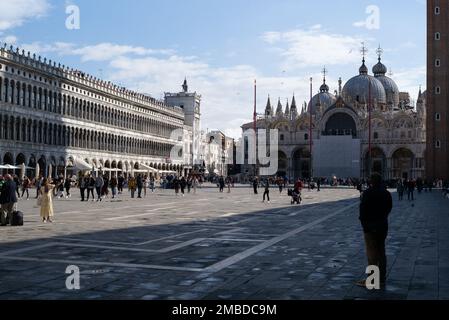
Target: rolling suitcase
{"points": [[17, 219]]}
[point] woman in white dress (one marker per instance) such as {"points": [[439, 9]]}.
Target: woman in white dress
{"points": [[46, 201]]}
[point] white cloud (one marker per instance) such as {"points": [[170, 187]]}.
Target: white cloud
{"points": [[10, 40], [359, 24], [409, 80], [99, 52], [14, 13], [302, 48]]}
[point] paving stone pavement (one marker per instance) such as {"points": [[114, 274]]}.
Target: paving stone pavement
{"points": [[223, 246]]}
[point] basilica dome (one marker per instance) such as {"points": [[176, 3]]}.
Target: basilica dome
{"points": [[357, 89], [325, 98], [391, 89]]}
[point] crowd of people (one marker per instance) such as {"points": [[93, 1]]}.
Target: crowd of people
{"points": [[97, 187]]}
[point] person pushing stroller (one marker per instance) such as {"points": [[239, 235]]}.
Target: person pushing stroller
{"points": [[296, 192]]}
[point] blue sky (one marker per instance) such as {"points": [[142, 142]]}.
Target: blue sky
{"points": [[221, 46]]}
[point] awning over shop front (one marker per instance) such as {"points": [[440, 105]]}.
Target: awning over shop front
{"points": [[167, 171], [110, 170], [8, 167], [147, 168], [82, 165]]}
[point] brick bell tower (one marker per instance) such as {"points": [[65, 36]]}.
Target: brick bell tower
{"points": [[437, 100]]}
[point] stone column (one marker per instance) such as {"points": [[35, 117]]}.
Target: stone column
{"points": [[290, 168]]}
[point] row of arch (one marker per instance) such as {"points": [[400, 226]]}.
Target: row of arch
{"points": [[401, 163], [60, 165], [399, 122], [21, 94], [23, 129]]}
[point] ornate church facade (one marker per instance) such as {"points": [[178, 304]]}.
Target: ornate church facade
{"points": [[349, 138]]}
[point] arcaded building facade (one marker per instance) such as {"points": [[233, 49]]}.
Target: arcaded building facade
{"points": [[65, 120]]}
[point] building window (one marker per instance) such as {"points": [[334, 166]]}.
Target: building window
{"points": [[438, 144], [282, 137], [437, 10], [437, 117], [306, 137], [437, 90], [376, 135], [437, 36], [437, 63]]}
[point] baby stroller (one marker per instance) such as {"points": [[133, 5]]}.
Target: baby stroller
{"points": [[296, 196]]}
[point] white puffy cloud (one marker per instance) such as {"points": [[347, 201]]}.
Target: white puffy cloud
{"points": [[10, 40], [409, 80], [100, 52], [14, 13], [302, 48]]}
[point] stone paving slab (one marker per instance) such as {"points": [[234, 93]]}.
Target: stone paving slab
{"points": [[223, 246]]}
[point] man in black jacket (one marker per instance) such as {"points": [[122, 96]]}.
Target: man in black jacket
{"points": [[255, 185], [8, 200], [375, 207], [139, 186]]}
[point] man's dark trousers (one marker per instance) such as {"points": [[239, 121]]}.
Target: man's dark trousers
{"points": [[375, 251]]}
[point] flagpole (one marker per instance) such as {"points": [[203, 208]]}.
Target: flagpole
{"points": [[310, 129], [255, 127], [369, 126]]}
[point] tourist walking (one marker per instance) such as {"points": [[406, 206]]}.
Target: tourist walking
{"points": [[255, 185], [145, 185], [8, 200], [152, 184], [46, 201], [176, 185], [132, 185], [105, 188], [400, 190], [38, 184], [25, 186], [228, 184], [114, 184], [90, 188], [280, 183], [120, 183], [266, 193], [60, 187], [83, 186], [189, 184], [194, 184], [411, 190], [67, 186], [299, 185], [18, 184], [99, 183], [139, 186], [221, 184], [182, 185], [375, 207]]}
